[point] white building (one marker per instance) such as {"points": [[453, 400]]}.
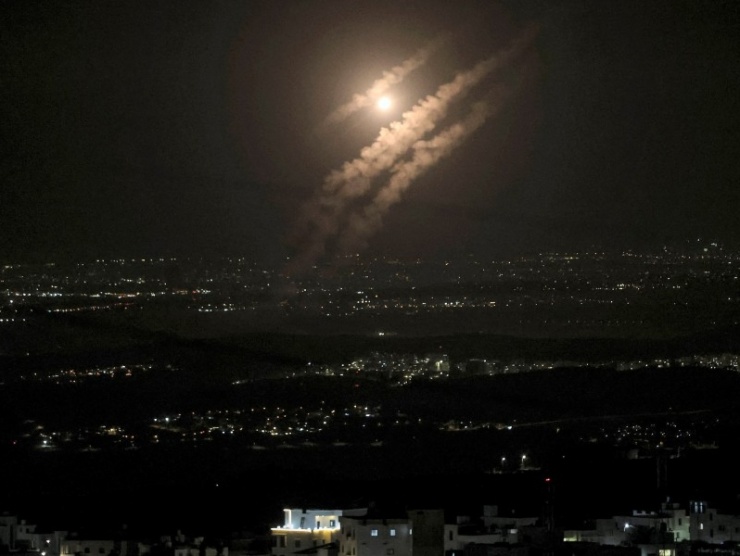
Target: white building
{"points": [[426, 533], [667, 527], [16, 534], [376, 536], [304, 529], [416, 532], [360, 532], [8, 530], [706, 524]]}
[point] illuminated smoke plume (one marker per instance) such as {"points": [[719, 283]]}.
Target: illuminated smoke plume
{"points": [[380, 86], [354, 177], [323, 217], [426, 153]]}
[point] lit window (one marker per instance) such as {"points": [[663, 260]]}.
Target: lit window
{"points": [[393, 532], [373, 532], [701, 526]]}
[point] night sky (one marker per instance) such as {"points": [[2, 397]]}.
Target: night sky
{"points": [[193, 128]]}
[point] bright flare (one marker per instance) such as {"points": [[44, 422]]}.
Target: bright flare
{"points": [[384, 103]]}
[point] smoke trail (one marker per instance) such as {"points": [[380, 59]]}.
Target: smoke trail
{"points": [[320, 219], [426, 154], [353, 178], [380, 86]]}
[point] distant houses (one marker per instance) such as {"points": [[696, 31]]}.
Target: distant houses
{"points": [[696, 529], [18, 538], [671, 530]]}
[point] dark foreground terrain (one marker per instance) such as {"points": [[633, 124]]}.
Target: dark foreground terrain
{"points": [[564, 420], [226, 488], [584, 426]]}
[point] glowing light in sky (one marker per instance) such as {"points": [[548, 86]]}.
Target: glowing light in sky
{"points": [[334, 220], [384, 103], [379, 87]]}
